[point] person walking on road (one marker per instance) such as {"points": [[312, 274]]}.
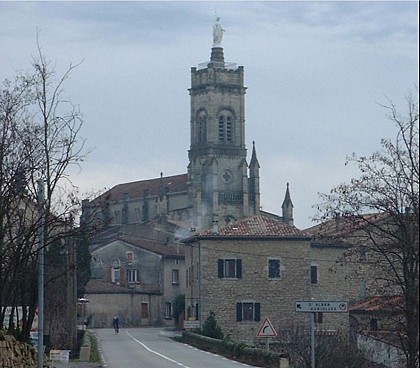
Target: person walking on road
{"points": [[116, 324]]}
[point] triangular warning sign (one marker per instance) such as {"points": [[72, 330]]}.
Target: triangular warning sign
{"points": [[266, 329]]}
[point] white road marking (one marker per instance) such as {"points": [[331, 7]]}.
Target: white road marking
{"points": [[155, 352]]}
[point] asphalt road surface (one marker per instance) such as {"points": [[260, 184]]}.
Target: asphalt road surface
{"points": [[153, 348]]}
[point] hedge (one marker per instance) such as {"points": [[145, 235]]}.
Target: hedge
{"points": [[234, 350]]}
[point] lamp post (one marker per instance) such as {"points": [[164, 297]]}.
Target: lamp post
{"points": [[41, 246]]}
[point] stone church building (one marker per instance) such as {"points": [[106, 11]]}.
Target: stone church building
{"points": [[220, 186]]}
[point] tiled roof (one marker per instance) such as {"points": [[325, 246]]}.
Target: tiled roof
{"points": [[378, 304], [135, 189], [343, 225], [169, 251], [258, 225]]}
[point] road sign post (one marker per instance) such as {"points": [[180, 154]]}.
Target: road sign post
{"points": [[316, 306], [191, 324], [266, 330], [313, 306]]}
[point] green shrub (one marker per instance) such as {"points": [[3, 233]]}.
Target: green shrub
{"points": [[211, 328]]}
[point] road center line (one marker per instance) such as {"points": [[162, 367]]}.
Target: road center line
{"points": [[155, 352]]}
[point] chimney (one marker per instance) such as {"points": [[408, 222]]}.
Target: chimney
{"points": [[215, 224]]}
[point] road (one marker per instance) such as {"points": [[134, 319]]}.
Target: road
{"points": [[152, 348]]}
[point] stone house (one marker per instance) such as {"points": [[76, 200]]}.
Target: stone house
{"points": [[258, 267], [374, 322], [377, 307], [135, 278]]}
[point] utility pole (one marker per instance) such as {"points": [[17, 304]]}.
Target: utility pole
{"points": [[41, 246], [312, 339]]}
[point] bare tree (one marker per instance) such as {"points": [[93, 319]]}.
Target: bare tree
{"points": [[332, 350], [383, 206], [39, 138]]}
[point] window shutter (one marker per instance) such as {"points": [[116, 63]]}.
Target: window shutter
{"points": [[238, 312], [314, 274], [319, 317], [257, 314], [239, 268], [220, 266], [123, 275]]}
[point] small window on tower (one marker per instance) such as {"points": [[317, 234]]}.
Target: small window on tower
{"points": [[202, 128], [221, 128], [229, 128]]}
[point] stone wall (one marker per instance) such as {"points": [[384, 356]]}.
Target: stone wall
{"points": [[16, 354]]}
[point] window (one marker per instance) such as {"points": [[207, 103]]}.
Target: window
{"points": [[229, 268], [274, 268], [129, 256], [373, 324], [248, 311], [168, 310], [362, 253], [132, 275], [175, 276], [202, 127], [229, 128], [221, 128], [363, 289], [115, 274], [197, 311], [314, 274], [318, 317], [225, 127], [144, 310]]}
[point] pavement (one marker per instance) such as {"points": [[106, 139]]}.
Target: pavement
{"points": [[74, 364]]}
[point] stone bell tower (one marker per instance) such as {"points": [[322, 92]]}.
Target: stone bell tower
{"points": [[219, 186]]}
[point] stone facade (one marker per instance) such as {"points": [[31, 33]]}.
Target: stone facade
{"points": [[133, 309], [218, 171], [16, 354], [138, 202], [136, 279], [270, 266]]}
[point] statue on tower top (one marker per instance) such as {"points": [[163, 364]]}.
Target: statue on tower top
{"points": [[217, 33]]}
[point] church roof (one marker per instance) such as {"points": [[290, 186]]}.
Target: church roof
{"points": [[256, 226], [136, 189]]}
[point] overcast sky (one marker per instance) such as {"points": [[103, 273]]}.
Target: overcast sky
{"points": [[316, 72]]}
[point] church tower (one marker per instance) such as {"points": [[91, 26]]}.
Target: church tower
{"points": [[219, 187]]}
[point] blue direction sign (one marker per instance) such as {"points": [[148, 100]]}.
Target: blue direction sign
{"points": [[321, 306]]}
